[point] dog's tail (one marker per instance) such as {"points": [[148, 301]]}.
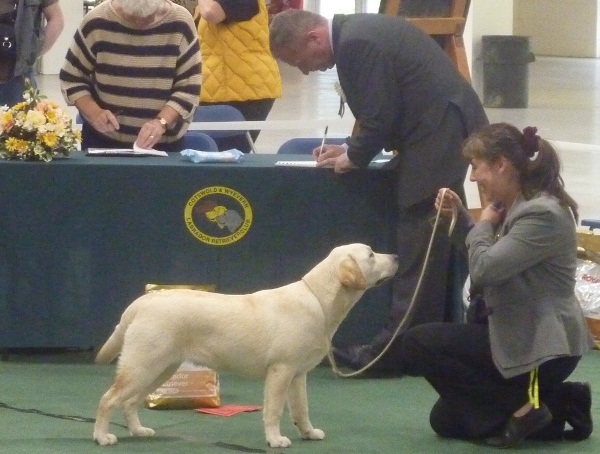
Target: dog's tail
{"points": [[112, 347]]}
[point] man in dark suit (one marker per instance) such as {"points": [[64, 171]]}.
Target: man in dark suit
{"points": [[406, 96]]}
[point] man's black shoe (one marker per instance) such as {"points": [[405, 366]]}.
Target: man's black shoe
{"points": [[354, 356], [517, 429]]}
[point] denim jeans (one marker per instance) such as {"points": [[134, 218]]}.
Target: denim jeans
{"points": [[11, 92]]}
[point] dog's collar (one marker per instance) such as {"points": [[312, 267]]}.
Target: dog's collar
{"points": [[309, 287]]}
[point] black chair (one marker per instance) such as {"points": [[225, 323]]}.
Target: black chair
{"points": [[305, 145]]}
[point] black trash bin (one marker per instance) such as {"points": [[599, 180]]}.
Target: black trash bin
{"points": [[505, 70]]}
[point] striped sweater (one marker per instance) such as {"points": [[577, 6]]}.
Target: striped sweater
{"points": [[134, 72]]}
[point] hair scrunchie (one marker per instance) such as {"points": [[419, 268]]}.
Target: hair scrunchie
{"points": [[530, 140]]}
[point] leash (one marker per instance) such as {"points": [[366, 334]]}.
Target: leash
{"points": [[413, 300]]}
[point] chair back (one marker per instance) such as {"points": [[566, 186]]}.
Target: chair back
{"points": [[219, 113], [196, 140], [305, 145]]}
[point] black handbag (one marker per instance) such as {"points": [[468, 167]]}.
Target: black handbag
{"points": [[8, 42], [477, 312], [8, 45]]}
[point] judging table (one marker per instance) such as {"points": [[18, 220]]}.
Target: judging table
{"points": [[80, 237]]}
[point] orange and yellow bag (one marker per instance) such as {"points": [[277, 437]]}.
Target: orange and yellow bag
{"points": [[191, 386]]}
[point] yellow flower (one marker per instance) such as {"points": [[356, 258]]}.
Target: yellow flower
{"points": [[50, 139], [51, 116], [21, 105], [6, 121], [14, 144]]}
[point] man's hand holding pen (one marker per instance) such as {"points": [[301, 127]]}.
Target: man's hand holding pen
{"points": [[333, 156]]}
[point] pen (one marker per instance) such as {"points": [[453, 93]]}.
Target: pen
{"points": [[323, 141]]}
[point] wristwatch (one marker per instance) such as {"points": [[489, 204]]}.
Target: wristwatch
{"points": [[163, 122]]}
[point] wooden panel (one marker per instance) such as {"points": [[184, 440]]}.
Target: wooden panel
{"points": [[450, 27], [439, 25]]}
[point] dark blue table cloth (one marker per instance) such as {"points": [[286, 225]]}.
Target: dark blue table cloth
{"points": [[81, 237]]}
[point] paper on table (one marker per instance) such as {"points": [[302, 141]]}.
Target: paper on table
{"points": [[150, 151], [135, 151], [314, 163], [297, 163]]}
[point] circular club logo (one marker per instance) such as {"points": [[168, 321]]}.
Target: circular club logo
{"points": [[218, 215]]}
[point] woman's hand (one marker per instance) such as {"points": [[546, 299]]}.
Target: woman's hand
{"points": [[105, 121], [493, 213], [150, 134], [447, 201], [102, 120]]}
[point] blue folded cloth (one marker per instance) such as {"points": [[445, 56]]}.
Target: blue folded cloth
{"points": [[212, 156]]}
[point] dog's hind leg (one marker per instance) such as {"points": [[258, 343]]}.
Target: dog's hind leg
{"points": [[133, 378], [277, 383], [298, 404], [131, 405], [113, 398]]}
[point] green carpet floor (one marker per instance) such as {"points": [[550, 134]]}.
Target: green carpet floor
{"points": [[358, 415]]}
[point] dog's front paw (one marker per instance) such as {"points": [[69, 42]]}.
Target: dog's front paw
{"points": [[279, 441], [142, 432], [313, 434], [105, 439]]}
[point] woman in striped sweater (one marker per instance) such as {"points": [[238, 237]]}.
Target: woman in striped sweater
{"points": [[133, 72]]}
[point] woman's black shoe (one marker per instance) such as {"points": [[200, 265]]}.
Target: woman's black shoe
{"points": [[579, 411], [553, 431], [519, 428]]}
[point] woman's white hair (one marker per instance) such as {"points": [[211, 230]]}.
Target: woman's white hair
{"points": [[140, 8]]}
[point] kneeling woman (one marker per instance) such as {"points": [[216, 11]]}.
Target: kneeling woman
{"points": [[504, 380]]}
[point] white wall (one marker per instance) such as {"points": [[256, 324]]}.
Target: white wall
{"points": [[486, 17], [560, 28], [52, 61]]}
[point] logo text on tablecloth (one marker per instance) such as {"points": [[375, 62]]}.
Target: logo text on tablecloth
{"points": [[218, 216]]}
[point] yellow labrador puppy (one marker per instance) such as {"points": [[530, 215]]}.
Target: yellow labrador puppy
{"points": [[278, 334]]}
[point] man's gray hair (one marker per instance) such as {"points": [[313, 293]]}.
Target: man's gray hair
{"points": [[288, 28]]}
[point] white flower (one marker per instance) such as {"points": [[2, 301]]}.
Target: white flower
{"points": [[338, 89], [35, 119], [59, 129]]}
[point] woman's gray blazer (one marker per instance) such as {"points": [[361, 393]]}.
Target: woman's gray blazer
{"points": [[528, 277]]}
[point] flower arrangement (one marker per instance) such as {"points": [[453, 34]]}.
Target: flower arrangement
{"points": [[36, 129], [338, 89]]}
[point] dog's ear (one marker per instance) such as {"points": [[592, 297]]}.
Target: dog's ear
{"points": [[351, 275]]}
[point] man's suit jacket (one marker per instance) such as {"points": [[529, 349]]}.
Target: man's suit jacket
{"points": [[528, 277], [407, 96]]}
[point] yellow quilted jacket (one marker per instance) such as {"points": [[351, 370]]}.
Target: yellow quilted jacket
{"points": [[237, 64]]}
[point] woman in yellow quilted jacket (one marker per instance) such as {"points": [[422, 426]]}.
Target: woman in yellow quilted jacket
{"points": [[237, 66]]}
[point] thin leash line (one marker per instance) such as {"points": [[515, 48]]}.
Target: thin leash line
{"points": [[413, 300], [219, 444], [53, 415]]}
